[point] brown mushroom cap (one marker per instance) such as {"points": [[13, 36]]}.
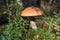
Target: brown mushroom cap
{"points": [[32, 11]]}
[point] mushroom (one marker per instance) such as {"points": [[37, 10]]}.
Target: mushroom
{"points": [[31, 12]]}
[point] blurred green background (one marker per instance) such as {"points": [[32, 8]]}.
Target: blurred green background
{"points": [[15, 27]]}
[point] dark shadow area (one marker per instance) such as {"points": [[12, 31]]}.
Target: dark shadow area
{"points": [[3, 13], [28, 3], [3, 19]]}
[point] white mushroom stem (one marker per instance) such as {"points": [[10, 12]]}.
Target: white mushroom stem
{"points": [[33, 25]]}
